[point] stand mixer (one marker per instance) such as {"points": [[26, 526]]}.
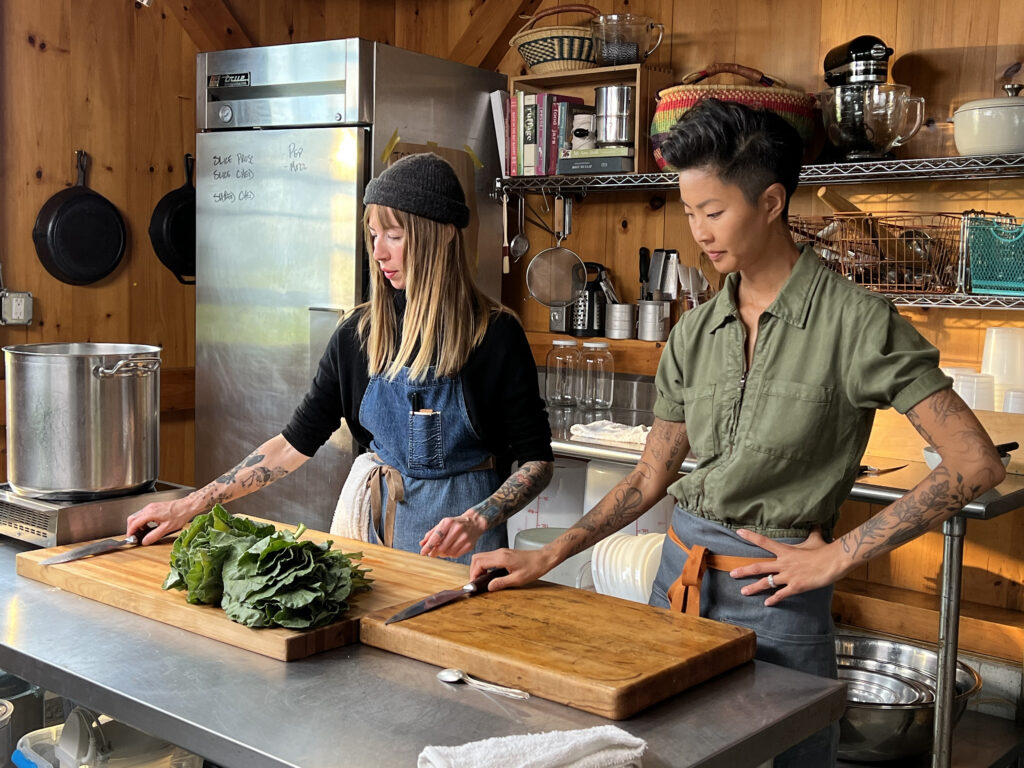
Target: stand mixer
{"points": [[866, 117]]}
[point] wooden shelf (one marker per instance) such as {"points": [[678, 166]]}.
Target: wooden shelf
{"points": [[631, 355]]}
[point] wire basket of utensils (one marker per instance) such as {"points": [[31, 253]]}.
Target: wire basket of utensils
{"points": [[891, 253], [995, 253]]}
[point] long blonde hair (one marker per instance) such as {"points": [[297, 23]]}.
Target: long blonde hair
{"points": [[446, 314]]}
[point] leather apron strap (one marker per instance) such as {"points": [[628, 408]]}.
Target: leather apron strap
{"points": [[396, 493], [684, 593]]}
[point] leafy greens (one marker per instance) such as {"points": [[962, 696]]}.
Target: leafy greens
{"points": [[260, 576]]}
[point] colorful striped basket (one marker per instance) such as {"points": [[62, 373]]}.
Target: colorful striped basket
{"points": [[796, 107], [557, 48]]}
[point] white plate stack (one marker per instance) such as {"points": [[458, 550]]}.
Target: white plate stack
{"points": [[625, 566]]}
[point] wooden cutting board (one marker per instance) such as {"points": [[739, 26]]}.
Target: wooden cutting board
{"points": [[130, 579], [597, 653]]}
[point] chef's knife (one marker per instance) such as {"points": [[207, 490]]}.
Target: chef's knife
{"points": [[645, 265], [446, 596], [95, 548]]}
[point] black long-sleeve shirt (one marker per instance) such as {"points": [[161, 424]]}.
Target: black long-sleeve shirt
{"points": [[499, 383]]}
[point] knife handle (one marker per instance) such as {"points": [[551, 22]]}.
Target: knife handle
{"points": [[479, 584]]}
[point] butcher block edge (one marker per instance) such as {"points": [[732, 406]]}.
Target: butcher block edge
{"points": [[593, 652], [131, 579]]}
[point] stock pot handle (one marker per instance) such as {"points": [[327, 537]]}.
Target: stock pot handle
{"points": [[133, 366]]}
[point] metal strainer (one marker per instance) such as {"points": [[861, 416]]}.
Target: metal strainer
{"points": [[556, 277]]}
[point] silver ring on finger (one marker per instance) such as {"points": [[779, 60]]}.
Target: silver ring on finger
{"points": [[771, 580]]}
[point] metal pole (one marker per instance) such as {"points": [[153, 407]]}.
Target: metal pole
{"points": [[949, 629]]}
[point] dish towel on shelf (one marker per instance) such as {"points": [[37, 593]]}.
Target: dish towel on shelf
{"points": [[352, 514], [604, 746], [610, 432]]}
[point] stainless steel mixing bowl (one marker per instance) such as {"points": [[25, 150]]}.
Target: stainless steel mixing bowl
{"points": [[872, 731]]}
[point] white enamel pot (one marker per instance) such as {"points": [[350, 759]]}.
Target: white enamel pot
{"points": [[991, 126]]}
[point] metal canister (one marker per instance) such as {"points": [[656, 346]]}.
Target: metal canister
{"points": [[83, 420], [653, 320], [620, 321], [614, 107]]}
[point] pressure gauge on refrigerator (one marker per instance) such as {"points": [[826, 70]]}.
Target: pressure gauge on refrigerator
{"points": [[225, 113]]}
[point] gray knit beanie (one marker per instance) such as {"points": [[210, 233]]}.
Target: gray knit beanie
{"points": [[425, 185]]}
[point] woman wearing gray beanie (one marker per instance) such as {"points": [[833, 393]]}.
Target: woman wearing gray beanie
{"points": [[435, 380]]}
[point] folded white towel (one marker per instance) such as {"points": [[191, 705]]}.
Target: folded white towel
{"points": [[604, 746], [610, 432], [352, 513]]}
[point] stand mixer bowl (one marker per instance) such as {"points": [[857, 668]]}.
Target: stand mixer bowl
{"points": [[870, 120]]}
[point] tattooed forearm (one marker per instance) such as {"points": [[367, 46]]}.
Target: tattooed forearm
{"points": [[623, 505], [249, 475], [516, 492], [909, 517]]}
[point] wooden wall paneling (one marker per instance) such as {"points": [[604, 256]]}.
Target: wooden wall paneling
{"points": [[993, 572], [287, 21], [100, 104], [945, 51], [484, 41], [426, 26], [635, 220], [773, 37], [702, 34], [211, 24], [163, 130]]}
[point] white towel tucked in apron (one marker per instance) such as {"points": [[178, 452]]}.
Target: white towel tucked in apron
{"points": [[352, 514]]}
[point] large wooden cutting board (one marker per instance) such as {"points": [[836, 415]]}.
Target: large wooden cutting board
{"points": [[130, 579], [597, 653]]}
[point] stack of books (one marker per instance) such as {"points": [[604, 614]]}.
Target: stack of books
{"points": [[534, 134]]}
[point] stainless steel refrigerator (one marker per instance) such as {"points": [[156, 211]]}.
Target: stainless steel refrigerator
{"points": [[287, 138]]}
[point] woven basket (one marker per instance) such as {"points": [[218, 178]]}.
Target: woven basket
{"points": [[558, 48], [797, 107]]}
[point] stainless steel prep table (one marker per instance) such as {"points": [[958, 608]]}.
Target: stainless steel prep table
{"points": [[355, 706], [881, 489]]}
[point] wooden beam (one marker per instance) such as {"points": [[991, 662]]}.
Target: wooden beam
{"points": [[209, 23], [485, 41]]}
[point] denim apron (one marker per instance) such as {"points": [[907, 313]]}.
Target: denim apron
{"points": [[422, 433], [797, 633]]}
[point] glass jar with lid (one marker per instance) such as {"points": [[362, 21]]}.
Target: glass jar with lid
{"points": [[560, 375], [596, 378]]}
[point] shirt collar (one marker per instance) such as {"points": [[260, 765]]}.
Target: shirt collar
{"points": [[793, 302]]}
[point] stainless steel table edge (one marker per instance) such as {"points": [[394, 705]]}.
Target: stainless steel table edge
{"points": [[238, 708]]}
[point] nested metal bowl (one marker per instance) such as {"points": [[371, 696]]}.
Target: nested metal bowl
{"points": [[890, 707]]}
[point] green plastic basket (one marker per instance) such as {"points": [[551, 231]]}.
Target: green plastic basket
{"points": [[995, 248]]}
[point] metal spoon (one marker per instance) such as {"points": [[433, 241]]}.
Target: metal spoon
{"points": [[520, 243], [452, 675]]}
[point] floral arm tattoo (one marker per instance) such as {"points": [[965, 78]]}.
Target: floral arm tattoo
{"points": [[667, 444], [251, 474], [942, 494], [516, 492]]}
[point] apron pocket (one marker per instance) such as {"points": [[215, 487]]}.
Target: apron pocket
{"points": [[426, 448]]}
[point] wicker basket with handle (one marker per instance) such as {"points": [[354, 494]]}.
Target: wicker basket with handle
{"points": [[556, 48], [766, 92]]}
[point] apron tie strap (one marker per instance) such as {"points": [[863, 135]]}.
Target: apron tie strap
{"points": [[684, 593], [396, 493]]}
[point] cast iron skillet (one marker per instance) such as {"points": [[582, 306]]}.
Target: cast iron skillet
{"points": [[172, 228], [79, 235]]}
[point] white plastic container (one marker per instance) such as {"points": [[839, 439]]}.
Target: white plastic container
{"points": [[6, 712], [559, 505], [1003, 358], [978, 390], [560, 373], [602, 476], [596, 376]]}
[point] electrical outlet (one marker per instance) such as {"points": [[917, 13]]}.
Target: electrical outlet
{"points": [[15, 308]]}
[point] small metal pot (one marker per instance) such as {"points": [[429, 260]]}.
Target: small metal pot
{"points": [[613, 115], [83, 420]]}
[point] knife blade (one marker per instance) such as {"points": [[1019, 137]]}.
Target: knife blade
{"points": [[875, 471], [94, 548], [445, 596]]}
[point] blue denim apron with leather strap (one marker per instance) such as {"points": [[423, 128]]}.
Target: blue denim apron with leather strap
{"points": [[797, 633], [433, 463]]}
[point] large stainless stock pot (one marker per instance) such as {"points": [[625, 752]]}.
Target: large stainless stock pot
{"points": [[83, 420]]}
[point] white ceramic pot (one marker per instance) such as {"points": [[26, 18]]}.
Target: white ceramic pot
{"points": [[990, 126]]}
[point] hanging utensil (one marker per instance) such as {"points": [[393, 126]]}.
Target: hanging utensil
{"points": [[520, 243], [645, 266], [504, 233], [446, 596]]}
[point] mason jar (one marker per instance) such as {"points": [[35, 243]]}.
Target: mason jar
{"points": [[560, 376], [596, 376]]}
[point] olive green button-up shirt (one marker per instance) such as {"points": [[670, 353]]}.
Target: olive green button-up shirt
{"points": [[779, 445]]}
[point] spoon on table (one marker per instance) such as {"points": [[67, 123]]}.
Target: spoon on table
{"points": [[452, 675]]}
